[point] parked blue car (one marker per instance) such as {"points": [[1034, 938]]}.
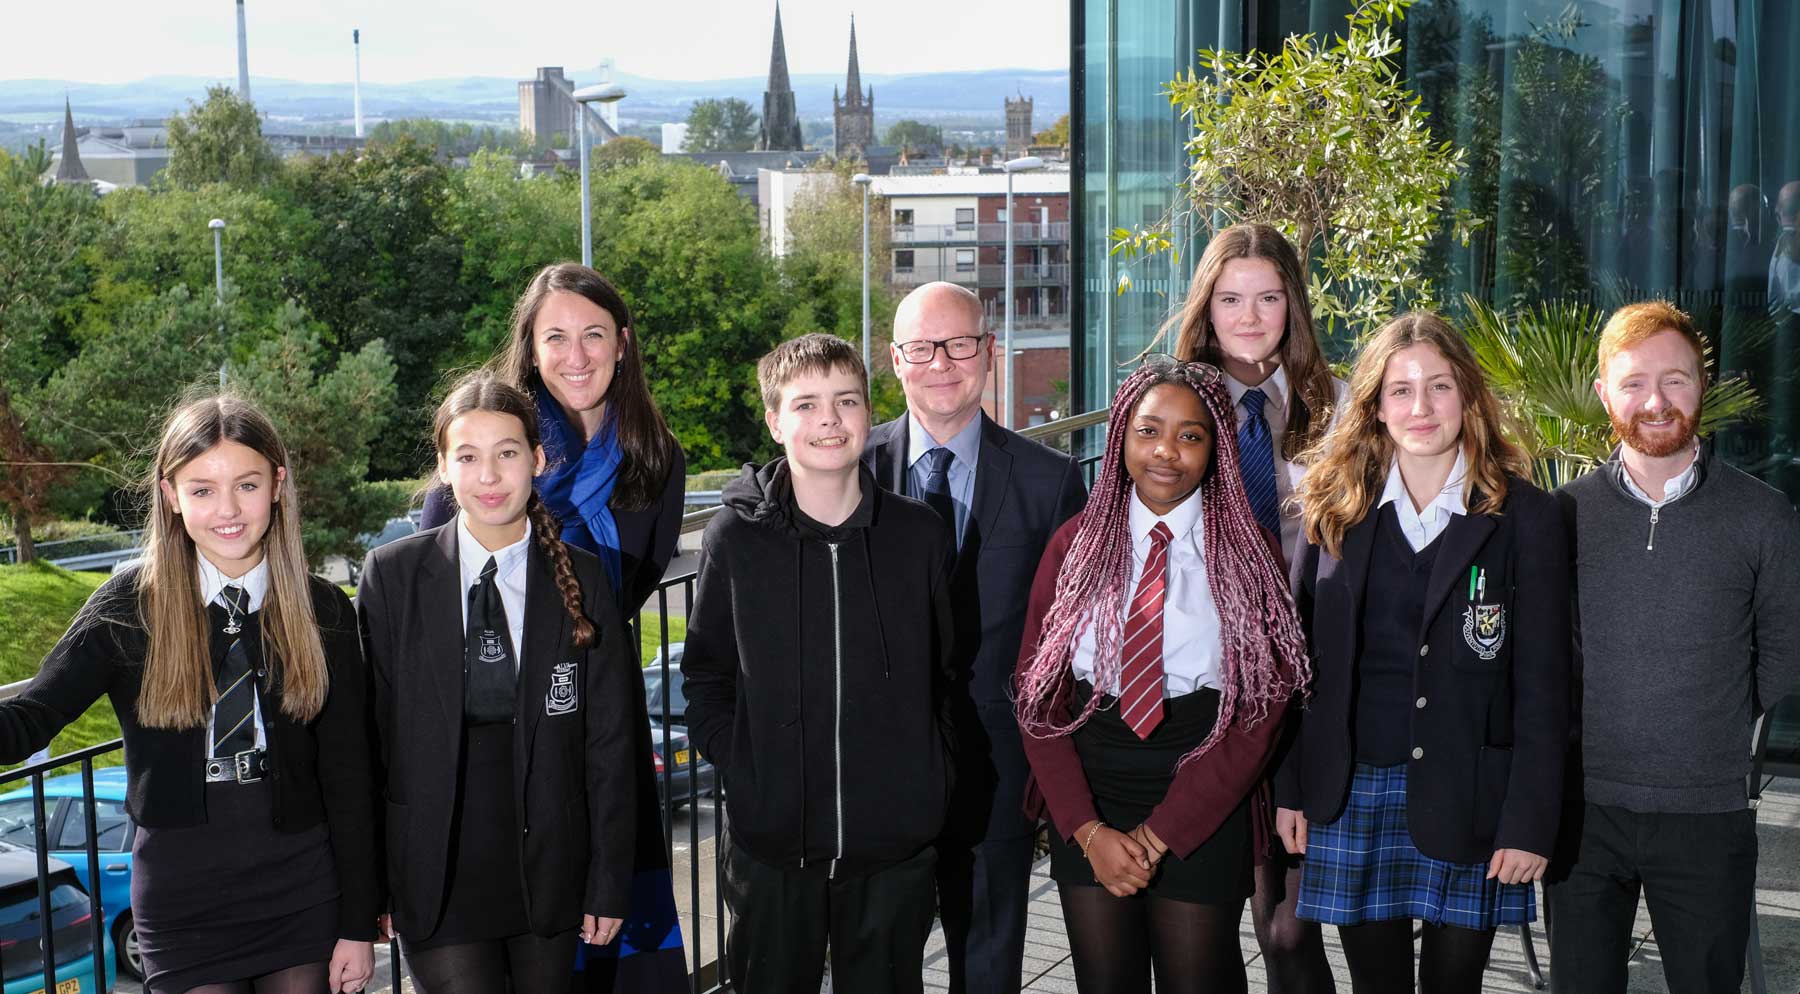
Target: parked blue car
{"points": [[68, 842], [21, 952]]}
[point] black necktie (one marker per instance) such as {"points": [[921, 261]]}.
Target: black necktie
{"points": [[490, 676], [233, 729], [937, 486]]}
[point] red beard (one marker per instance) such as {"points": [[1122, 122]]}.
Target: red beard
{"points": [[1657, 446]]}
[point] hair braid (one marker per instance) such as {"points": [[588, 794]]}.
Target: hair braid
{"points": [[1264, 660], [549, 537]]}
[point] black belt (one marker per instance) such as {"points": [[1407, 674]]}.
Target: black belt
{"points": [[244, 767]]}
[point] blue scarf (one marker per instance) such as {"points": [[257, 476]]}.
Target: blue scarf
{"points": [[577, 485]]}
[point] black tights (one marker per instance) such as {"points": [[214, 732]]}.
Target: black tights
{"points": [[1293, 951], [308, 978], [531, 963], [1380, 955], [1118, 942]]}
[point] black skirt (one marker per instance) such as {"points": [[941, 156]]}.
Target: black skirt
{"points": [[233, 898], [1129, 777], [484, 890]]}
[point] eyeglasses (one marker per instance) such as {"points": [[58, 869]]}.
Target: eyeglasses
{"points": [[920, 352], [1203, 373]]}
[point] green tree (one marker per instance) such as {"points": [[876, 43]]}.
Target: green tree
{"points": [[219, 141], [623, 150], [508, 228], [45, 231], [452, 138], [727, 125], [913, 135], [1055, 134]]}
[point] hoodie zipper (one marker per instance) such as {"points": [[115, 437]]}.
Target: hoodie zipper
{"points": [[837, 717], [1655, 513]]}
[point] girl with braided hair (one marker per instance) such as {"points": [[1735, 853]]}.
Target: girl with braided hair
{"points": [[1161, 649], [504, 698], [1425, 780]]}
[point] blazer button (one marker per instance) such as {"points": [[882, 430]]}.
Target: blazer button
{"points": [[1418, 753], [1419, 703], [1424, 649]]}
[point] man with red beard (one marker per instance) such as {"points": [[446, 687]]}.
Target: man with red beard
{"points": [[1687, 587]]}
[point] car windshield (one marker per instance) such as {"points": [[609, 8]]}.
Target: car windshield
{"points": [[17, 824]]}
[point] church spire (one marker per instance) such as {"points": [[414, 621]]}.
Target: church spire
{"points": [[778, 70], [853, 85], [69, 169], [780, 121]]}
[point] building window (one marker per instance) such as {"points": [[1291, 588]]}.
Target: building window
{"points": [[903, 218], [903, 260], [965, 259], [965, 219]]}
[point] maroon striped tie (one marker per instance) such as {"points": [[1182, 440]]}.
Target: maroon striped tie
{"points": [[1141, 678]]}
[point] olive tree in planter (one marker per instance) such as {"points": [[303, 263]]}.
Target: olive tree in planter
{"points": [[1323, 141]]}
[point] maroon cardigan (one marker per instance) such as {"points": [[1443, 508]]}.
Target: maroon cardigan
{"points": [[1204, 792]]}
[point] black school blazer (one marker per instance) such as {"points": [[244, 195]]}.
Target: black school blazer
{"points": [[1490, 685], [574, 783]]}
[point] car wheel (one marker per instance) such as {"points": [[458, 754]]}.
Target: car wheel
{"points": [[125, 943]]}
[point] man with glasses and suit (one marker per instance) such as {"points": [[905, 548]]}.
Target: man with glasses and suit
{"points": [[1004, 496]]}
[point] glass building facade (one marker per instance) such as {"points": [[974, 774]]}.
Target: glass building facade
{"points": [[1616, 150]]}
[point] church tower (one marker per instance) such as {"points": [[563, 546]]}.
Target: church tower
{"points": [[1018, 126], [853, 113], [780, 121]]}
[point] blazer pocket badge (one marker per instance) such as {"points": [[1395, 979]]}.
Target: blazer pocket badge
{"points": [[1484, 628], [561, 699]]}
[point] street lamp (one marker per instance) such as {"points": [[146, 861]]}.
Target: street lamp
{"points": [[863, 180], [1023, 165], [218, 229], [601, 93]]}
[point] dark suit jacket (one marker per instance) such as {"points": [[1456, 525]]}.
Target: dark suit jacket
{"points": [[574, 783], [1488, 734], [1024, 491]]}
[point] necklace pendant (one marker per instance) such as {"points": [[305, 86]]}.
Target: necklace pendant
{"points": [[232, 627]]}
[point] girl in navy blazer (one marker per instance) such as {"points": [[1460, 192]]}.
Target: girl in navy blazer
{"points": [[504, 699], [1427, 773]]}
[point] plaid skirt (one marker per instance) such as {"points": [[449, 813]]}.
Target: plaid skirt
{"points": [[1363, 867]]}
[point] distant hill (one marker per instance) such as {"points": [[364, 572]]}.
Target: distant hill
{"points": [[959, 95]]}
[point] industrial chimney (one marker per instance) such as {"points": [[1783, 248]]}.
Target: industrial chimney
{"points": [[243, 57], [356, 47]]}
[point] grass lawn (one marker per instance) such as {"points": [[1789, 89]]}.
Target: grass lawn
{"points": [[650, 634], [36, 603]]}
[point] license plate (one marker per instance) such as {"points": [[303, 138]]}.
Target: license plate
{"points": [[681, 757], [64, 987]]}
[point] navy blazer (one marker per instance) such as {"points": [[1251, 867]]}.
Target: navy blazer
{"points": [[1024, 491], [1490, 707]]}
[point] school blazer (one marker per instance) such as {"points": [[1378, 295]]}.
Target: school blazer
{"points": [[1490, 683], [574, 791], [1024, 491]]}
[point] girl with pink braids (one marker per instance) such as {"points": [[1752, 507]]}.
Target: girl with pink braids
{"points": [[1161, 649]]}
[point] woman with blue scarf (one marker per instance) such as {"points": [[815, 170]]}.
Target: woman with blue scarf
{"points": [[616, 480]]}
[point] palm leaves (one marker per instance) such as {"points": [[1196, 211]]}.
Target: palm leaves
{"points": [[1541, 362]]}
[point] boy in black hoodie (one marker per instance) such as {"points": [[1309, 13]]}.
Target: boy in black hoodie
{"points": [[818, 681]]}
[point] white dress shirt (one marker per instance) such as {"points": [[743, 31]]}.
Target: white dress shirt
{"points": [[509, 577], [1423, 526], [255, 585], [1192, 644], [1674, 488], [1287, 474]]}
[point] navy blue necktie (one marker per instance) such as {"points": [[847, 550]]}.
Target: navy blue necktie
{"points": [[1256, 459], [233, 731], [937, 485]]}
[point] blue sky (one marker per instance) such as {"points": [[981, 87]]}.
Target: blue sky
{"points": [[115, 41]]}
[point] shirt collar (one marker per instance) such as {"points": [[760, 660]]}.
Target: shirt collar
{"points": [[1676, 486], [1275, 388], [1449, 499], [965, 445], [1181, 520], [474, 556], [255, 583]]}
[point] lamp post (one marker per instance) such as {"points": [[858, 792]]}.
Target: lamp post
{"points": [[1012, 166], [863, 180], [218, 229], [602, 93]]}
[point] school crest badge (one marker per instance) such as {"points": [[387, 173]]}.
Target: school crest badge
{"points": [[1484, 628], [562, 698], [492, 649]]}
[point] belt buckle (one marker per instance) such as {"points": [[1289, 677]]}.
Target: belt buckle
{"points": [[247, 767]]}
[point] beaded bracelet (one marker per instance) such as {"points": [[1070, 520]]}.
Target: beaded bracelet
{"points": [[1090, 839]]}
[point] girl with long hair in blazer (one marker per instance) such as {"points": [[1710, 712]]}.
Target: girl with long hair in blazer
{"points": [[1247, 312], [1161, 650], [508, 748], [239, 685], [1426, 778]]}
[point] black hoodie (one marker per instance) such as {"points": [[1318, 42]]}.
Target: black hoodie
{"points": [[818, 673]]}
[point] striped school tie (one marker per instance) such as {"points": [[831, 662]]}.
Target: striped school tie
{"points": [[1141, 678], [1256, 458], [233, 731]]}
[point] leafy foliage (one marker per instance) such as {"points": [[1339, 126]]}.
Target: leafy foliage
{"points": [[1055, 134], [508, 229], [913, 135], [452, 138], [621, 151], [727, 125], [219, 141]]}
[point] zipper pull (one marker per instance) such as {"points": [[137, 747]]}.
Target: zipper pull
{"points": [[1650, 546]]}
